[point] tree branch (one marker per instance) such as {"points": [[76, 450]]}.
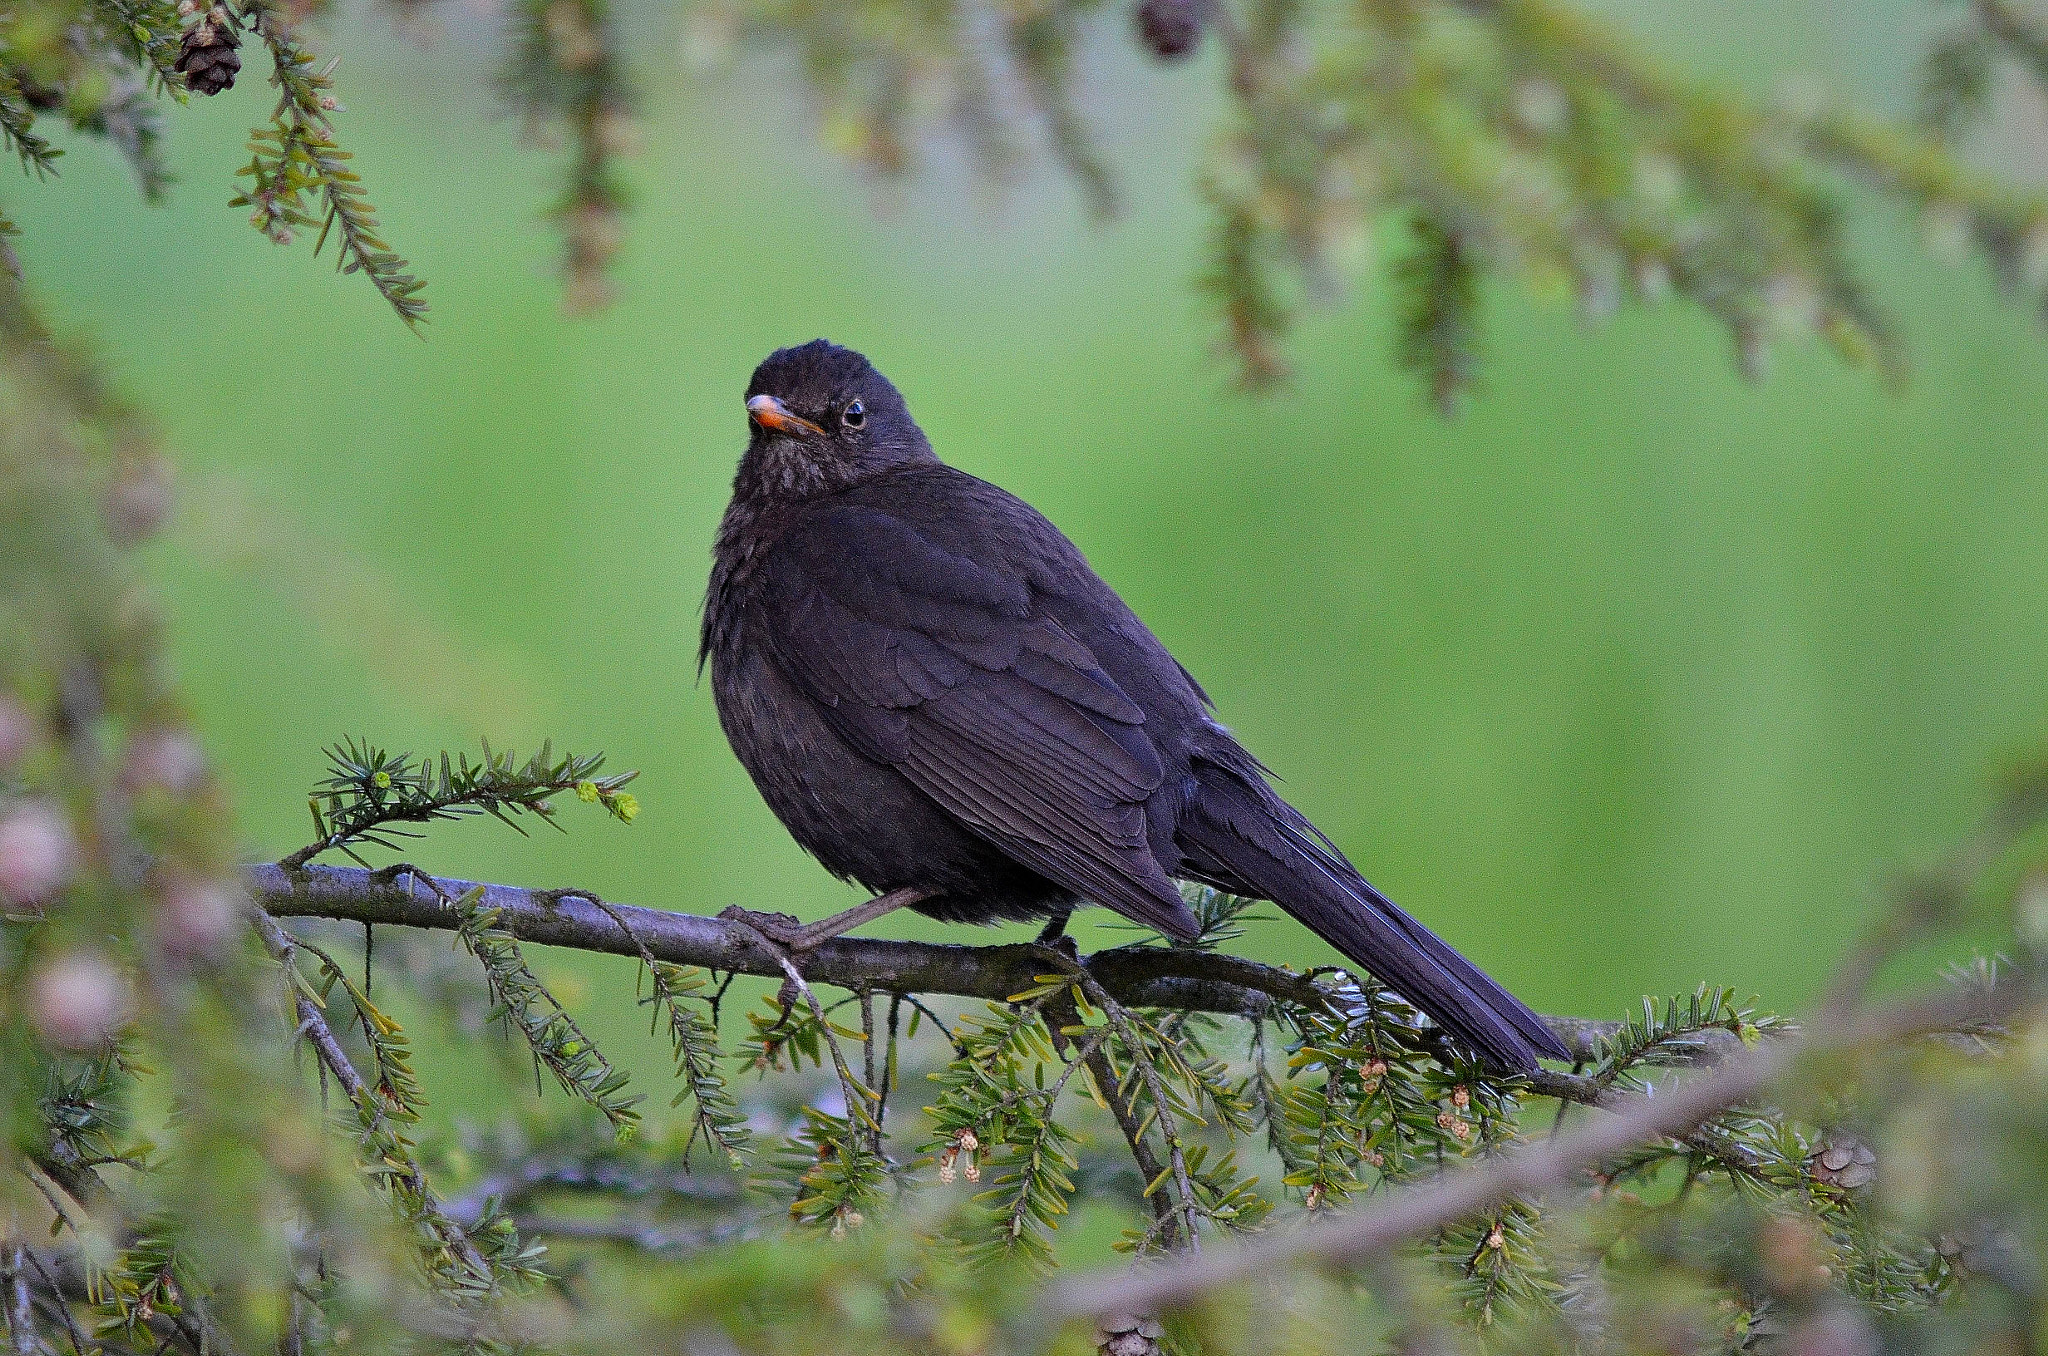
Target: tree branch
{"points": [[1184, 979], [193, 1329], [1195, 981]]}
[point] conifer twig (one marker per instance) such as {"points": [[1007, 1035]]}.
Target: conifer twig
{"points": [[1419, 1211], [320, 1036]]}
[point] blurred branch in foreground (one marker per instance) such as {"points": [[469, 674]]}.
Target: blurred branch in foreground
{"points": [[1480, 140], [1510, 139], [149, 1110], [1636, 1120]]}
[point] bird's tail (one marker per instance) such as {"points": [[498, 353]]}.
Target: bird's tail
{"points": [[1238, 830]]}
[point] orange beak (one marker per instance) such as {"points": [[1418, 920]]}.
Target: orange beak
{"points": [[775, 416]]}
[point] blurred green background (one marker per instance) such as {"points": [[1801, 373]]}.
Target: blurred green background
{"points": [[1633, 676]]}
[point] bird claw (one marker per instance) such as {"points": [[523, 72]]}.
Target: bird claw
{"points": [[1063, 946], [784, 929], [785, 933]]}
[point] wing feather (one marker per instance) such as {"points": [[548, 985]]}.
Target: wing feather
{"points": [[945, 669]]}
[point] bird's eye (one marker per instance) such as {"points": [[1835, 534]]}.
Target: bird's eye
{"points": [[854, 415]]}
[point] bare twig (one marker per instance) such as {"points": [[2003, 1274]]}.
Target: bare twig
{"points": [[1061, 1012], [1134, 1046], [53, 1289], [878, 1085], [21, 1317], [859, 1108]]}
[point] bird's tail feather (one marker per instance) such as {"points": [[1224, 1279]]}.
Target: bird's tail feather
{"points": [[1240, 831]]}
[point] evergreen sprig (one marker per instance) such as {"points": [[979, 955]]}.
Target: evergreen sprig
{"points": [[526, 1006], [464, 1266], [17, 127], [1219, 917], [143, 1283], [564, 69], [1500, 1268], [996, 1115], [392, 1080], [370, 791], [149, 31], [1956, 73], [829, 1173], [783, 1036], [1437, 286], [84, 1110], [677, 993], [300, 178], [1042, 41], [1377, 1104], [1653, 1038]]}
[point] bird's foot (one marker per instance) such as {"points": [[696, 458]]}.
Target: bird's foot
{"points": [[783, 932], [1063, 947], [791, 933], [786, 930], [388, 875]]}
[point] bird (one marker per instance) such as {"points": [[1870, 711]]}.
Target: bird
{"points": [[943, 702]]}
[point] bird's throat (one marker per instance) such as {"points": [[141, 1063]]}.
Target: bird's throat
{"points": [[785, 469]]}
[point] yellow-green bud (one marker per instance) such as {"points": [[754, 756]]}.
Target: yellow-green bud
{"points": [[625, 807], [382, 781], [587, 792]]}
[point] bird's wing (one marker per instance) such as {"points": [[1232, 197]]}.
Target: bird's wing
{"points": [[947, 670]]}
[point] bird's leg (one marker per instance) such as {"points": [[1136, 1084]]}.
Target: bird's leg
{"points": [[1055, 927], [786, 931]]}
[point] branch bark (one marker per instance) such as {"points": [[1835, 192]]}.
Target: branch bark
{"points": [[1149, 976], [1195, 981]]}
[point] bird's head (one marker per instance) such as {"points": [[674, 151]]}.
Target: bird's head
{"points": [[823, 418]]}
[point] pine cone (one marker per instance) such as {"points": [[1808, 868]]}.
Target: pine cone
{"points": [[40, 96], [207, 57], [1170, 28], [1127, 1335], [1843, 1162]]}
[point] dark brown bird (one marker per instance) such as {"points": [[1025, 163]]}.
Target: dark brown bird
{"points": [[941, 701]]}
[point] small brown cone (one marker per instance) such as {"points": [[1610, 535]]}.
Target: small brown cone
{"points": [[1170, 28], [1843, 1162], [207, 57], [1128, 1335]]}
